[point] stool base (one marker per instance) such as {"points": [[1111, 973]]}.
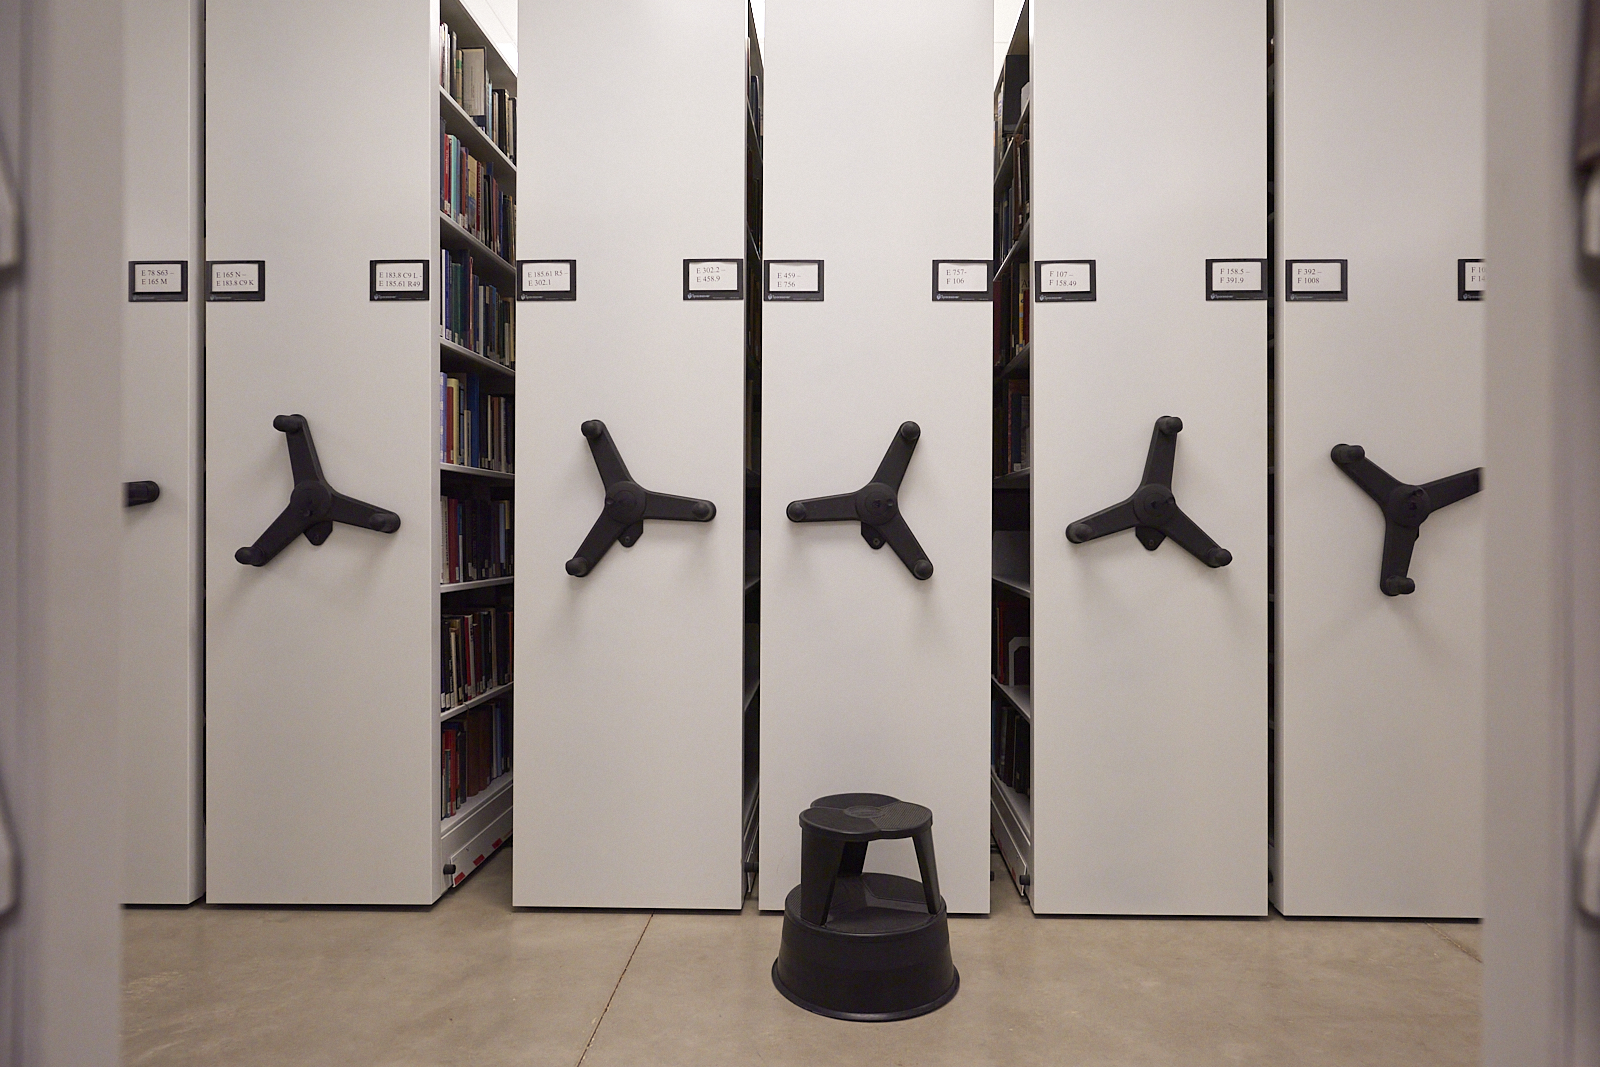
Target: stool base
{"points": [[881, 957]]}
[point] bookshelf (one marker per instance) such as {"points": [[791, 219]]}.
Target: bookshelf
{"points": [[754, 200], [1149, 709], [329, 737], [160, 653], [1010, 670], [631, 749], [872, 680], [1380, 700]]}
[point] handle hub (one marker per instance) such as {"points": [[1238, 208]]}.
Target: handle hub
{"points": [[877, 504], [625, 502], [1154, 504], [1408, 505]]}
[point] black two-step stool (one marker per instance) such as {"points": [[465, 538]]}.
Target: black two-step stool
{"points": [[865, 947]]}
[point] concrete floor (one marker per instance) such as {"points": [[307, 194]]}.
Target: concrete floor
{"points": [[470, 981]]}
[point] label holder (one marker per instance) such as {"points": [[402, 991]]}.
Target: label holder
{"points": [[1265, 291], [180, 296], [1290, 293], [987, 292], [790, 294], [375, 293], [736, 293], [525, 293], [1462, 291], [257, 295], [1040, 296]]}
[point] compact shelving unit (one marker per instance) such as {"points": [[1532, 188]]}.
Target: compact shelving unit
{"points": [[471, 832], [1381, 736], [872, 679], [1148, 138], [754, 185], [325, 782], [632, 750], [1011, 681], [160, 652]]}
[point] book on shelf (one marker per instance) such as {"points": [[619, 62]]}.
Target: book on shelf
{"points": [[472, 196], [473, 312], [475, 654], [475, 428], [1009, 95], [1012, 207], [1013, 452], [464, 74], [475, 539], [474, 80], [474, 750], [1011, 623], [1010, 745]]}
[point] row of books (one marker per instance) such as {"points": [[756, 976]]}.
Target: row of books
{"points": [[474, 750], [1010, 97], [471, 194], [1010, 745], [473, 312], [1011, 206], [475, 427], [1012, 658], [475, 539], [464, 74], [1012, 314], [1013, 452], [475, 654]]}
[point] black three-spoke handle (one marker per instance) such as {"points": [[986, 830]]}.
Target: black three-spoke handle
{"points": [[313, 506], [1405, 508], [627, 504], [876, 505], [1152, 512]]}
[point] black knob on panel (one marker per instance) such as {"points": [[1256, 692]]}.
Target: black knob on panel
{"points": [[137, 493]]}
